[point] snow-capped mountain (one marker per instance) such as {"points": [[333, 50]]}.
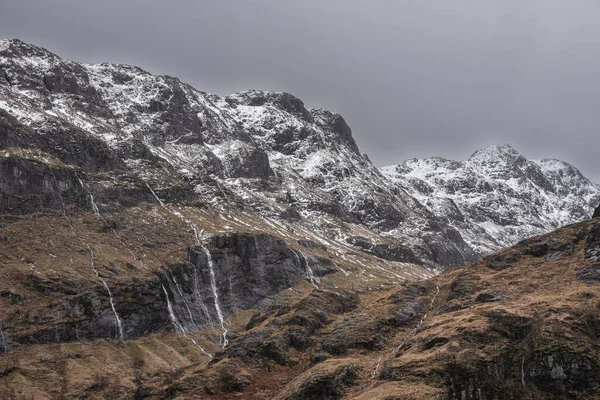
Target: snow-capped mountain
{"points": [[245, 239], [498, 197], [256, 151], [264, 154]]}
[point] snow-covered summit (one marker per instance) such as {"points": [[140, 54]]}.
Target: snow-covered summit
{"points": [[498, 197]]}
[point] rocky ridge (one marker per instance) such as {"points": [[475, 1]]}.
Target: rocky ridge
{"points": [[498, 197], [254, 150]]}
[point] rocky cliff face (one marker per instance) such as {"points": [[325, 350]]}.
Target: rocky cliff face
{"points": [[498, 197], [520, 324], [254, 150]]}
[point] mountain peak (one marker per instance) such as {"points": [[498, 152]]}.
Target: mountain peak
{"points": [[499, 197], [24, 48], [4, 43], [494, 153]]}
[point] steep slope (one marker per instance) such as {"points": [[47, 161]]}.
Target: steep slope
{"points": [[137, 210], [257, 151], [518, 324], [498, 197]]}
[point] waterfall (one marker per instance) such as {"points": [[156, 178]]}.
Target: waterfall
{"points": [[374, 374], [178, 325], [422, 321], [174, 320], [197, 294], [341, 269], [309, 272], [185, 303], [213, 283], [110, 297], [90, 196], [213, 286], [92, 265], [97, 212], [179, 215]]}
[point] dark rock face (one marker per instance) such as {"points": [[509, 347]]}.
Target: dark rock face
{"points": [[86, 313], [436, 243], [489, 297], [27, 186], [60, 77], [590, 274], [555, 374], [248, 270], [592, 244], [366, 332], [596, 212], [385, 251], [500, 261], [335, 124], [71, 145], [551, 249], [175, 113], [246, 161], [284, 101], [327, 386], [295, 328]]}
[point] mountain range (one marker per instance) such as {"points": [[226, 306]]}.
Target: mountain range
{"points": [[217, 235]]}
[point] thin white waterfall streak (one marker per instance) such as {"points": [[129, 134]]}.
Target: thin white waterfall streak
{"points": [[92, 265], [185, 303], [374, 374], [222, 192], [182, 217], [523, 371], [213, 286], [110, 296], [178, 325], [90, 196], [422, 321], [341, 269], [97, 212], [174, 320], [309, 272], [191, 225], [64, 207], [156, 197], [197, 292]]}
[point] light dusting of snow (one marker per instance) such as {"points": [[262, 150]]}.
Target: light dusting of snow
{"points": [[202, 142]]}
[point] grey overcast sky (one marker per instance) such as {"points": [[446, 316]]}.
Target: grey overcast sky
{"points": [[413, 78]]}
